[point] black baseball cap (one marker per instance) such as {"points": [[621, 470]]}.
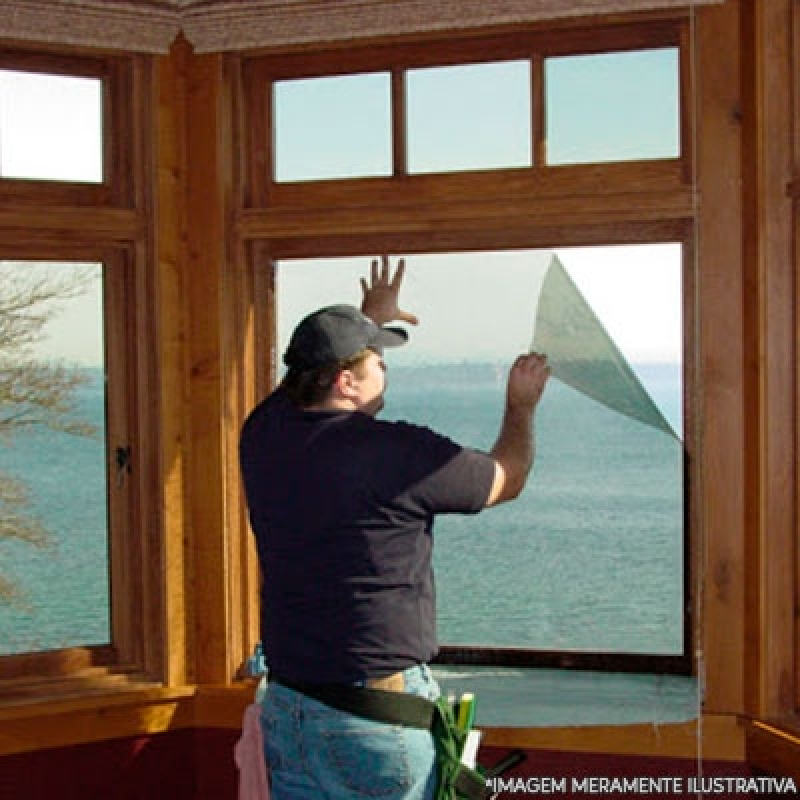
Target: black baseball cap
{"points": [[334, 334]]}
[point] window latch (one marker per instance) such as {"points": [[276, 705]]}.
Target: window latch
{"points": [[122, 460]]}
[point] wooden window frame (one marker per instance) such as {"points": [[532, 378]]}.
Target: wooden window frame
{"points": [[530, 207], [104, 223], [117, 187]]}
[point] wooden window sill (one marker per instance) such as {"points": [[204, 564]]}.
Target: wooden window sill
{"points": [[104, 711], [125, 710]]}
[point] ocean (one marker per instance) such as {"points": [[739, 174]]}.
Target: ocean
{"points": [[63, 586], [590, 556]]}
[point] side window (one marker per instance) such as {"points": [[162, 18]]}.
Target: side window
{"points": [[72, 306]]}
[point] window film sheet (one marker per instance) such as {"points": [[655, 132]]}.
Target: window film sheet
{"points": [[582, 354]]}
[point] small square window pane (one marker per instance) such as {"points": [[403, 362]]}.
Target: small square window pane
{"points": [[51, 127], [333, 127], [476, 116], [613, 107]]}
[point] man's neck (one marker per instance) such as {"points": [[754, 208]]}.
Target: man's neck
{"points": [[332, 404]]}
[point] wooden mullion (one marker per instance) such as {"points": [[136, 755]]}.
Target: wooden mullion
{"points": [[399, 124], [538, 112]]}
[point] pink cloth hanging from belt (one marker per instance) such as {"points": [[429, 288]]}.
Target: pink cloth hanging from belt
{"points": [[249, 757]]}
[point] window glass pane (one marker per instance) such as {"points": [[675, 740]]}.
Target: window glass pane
{"points": [[333, 127], [51, 127], [54, 589], [613, 107], [469, 117], [590, 556]]}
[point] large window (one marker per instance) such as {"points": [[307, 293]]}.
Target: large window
{"points": [[591, 556], [72, 306]]}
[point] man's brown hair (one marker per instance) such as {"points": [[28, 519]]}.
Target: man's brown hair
{"points": [[310, 387]]}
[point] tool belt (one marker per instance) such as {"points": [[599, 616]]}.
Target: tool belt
{"points": [[456, 781]]}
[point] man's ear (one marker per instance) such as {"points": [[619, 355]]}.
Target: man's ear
{"points": [[344, 384]]}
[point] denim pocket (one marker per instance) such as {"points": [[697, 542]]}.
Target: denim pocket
{"points": [[370, 759]]}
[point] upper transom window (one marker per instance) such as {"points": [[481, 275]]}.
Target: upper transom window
{"points": [[570, 109], [51, 127]]}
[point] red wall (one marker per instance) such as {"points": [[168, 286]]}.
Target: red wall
{"points": [[182, 765], [198, 765]]}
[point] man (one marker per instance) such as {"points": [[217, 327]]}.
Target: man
{"points": [[342, 507]]}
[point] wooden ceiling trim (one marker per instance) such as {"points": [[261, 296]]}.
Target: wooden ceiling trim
{"points": [[230, 25]]}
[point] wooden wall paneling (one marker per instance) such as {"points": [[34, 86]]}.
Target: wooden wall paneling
{"points": [[205, 265], [170, 231], [720, 355], [770, 357], [220, 298]]}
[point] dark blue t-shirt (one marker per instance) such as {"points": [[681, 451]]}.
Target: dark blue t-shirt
{"points": [[342, 506]]}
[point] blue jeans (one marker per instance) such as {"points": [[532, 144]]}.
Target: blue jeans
{"points": [[315, 752]]}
